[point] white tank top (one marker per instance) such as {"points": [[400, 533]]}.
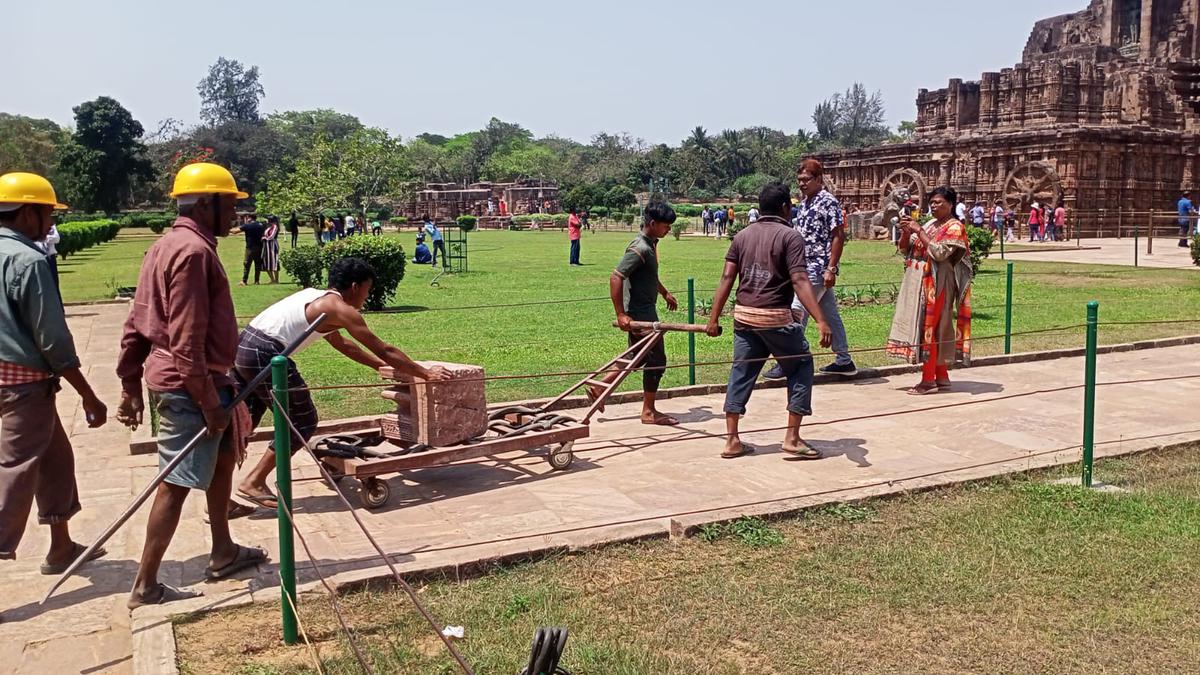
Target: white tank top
{"points": [[285, 319]]}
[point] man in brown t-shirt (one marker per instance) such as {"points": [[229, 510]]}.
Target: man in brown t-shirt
{"points": [[768, 260]]}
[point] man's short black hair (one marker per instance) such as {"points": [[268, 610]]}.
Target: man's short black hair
{"points": [[345, 272], [773, 198], [660, 211]]}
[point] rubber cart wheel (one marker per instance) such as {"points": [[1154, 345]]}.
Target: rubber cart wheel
{"points": [[374, 492], [561, 457]]}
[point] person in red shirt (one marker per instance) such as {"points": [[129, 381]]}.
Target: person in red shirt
{"points": [[574, 232], [181, 337]]}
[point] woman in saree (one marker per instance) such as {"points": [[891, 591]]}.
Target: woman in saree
{"points": [[932, 324]]}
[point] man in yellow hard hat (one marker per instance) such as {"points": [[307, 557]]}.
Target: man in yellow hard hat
{"points": [[181, 337], [36, 350]]}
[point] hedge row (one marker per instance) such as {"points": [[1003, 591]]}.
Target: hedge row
{"points": [[80, 235], [307, 265]]}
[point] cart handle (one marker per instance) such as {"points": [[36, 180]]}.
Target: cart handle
{"points": [[660, 326]]}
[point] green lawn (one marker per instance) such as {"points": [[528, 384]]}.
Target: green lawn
{"points": [[1012, 575], [531, 267]]}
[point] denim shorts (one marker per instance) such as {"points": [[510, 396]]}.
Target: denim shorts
{"points": [[179, 420]]}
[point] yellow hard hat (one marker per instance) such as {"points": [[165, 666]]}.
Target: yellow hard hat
{"points": [[27, 188], [203, 178]]}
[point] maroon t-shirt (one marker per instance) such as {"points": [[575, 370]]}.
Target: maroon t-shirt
{"points": [[767, 253]]}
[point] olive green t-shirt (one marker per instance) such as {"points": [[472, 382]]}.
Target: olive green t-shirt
{"points": [[639, 269]]}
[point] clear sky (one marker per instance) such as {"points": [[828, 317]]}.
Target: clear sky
{"points": [[652, 68]]}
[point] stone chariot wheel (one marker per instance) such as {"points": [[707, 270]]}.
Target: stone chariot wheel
{"points": [[903, 179], [1032, 182]]}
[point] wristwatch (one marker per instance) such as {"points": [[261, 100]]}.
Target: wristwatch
{"points": [[835, 269]]}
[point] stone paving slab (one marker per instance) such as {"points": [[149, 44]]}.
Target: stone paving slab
{"points": [[628, 481], [1108, 251]]}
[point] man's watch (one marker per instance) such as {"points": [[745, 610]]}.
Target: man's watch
{"points": [[835, 269]]}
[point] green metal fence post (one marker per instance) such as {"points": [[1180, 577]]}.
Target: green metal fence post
{"points": [[1089, 393], [1135, 245], [1002, 228], [1008, 309], [691, 336], [283, 483]]}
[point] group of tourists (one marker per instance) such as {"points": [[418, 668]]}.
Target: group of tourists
{"points": [[1045, 222], [786, 263], [341, 226], [715, 220], [181, 341]]}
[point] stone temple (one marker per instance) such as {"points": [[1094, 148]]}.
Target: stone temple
{"points": [[1102, 114], [447, 201]]}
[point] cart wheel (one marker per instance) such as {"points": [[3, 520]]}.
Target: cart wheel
{"points": [[374, 492], [561, 457]]}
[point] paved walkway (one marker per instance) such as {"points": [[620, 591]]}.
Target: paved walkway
{"points": [[1108, 251], [626, 485]]}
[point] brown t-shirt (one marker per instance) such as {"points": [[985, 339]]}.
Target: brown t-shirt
{"points": [[767, 253]]}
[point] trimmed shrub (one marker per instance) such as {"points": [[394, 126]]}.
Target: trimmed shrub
{"points": [[980, 241], [304, 264], [467, 223], [385, 254], [560, 218], [687, 210], [599, 211], [81, 217], [1196, 250], [398, 220], [85, 234], [679, 227], [627, 218]]}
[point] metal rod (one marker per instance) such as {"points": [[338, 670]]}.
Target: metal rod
{"points": [[175, 461], [1008, 293], [1089, 393], [283, 482], [691, 336]]}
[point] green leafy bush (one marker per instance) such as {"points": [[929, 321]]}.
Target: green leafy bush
{"points": [[688, 210], [81, 217], [627, 218], [385, 254], [752, 184], [678, 228], [980, 241], [467, 223], [398, 220], [1196, 250], [731, 229], [85, 234], [560, 218], [599, 211], [304, 264], [619, 197], [700, 195]]}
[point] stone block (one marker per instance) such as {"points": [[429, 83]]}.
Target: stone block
{"points": [[437, 413]]}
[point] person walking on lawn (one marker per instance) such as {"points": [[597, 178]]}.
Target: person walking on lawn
{"points": [[820, 221], [767, 259], [181, 336], [350, 282], [436, 241], [574, 233], [634, 288], [37, 462], [254, 231]]}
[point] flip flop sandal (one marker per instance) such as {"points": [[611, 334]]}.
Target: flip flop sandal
{"points": [[922, 389], [664, 421], [267, 501], [58, 568], [245, 557], [744, 450], [237, 510], [808, 451], [165, 594]]}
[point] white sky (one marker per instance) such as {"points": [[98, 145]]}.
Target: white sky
{"points": [[652, 68]]}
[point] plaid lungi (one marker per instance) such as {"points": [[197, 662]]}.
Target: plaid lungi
{"points": [[254, 353]]}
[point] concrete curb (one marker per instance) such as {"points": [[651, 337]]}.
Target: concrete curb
{"points": [[142, 442]]}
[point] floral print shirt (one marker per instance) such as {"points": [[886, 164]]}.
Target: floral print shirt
{"points": [[816, 220]]}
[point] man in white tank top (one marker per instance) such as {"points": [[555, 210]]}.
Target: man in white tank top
{"points": [[350, 281]]}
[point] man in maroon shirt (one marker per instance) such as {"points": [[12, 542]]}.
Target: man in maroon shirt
{"points": [[181, 337]]}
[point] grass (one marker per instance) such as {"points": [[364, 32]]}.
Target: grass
{"points": [[530, 267], [1009, 575]]}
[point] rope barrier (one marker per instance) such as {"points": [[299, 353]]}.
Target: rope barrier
{"points": [[412, 594]]}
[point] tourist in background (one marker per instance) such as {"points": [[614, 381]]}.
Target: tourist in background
{"points": [[1185, 208], [376, 228], [49, 246], [1010, 224], [820, 222], [253, 231], [37, 462], [435, 236], [351, 224], [574, 233], [584, 218], [1035, 222], [932, 323], [1048, 222], [978, 214], [719, 221], [339, 226], [729, 216], [1060, 222], [998, 219], [293, 228], [767, 260], [421, 255], [960, 211], [706, 218], [752, 214], [270, 249]]}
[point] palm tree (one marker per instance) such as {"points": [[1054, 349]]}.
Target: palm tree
{"points": [[732, 152], [700, 140]]}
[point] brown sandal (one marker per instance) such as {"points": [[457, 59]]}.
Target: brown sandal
{"points": [[923, 388], [743, 450]]}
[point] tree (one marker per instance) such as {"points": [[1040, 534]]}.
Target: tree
{"points": [[230, 93], [28, 144], [106, 159], [527, 161], [250, 150], [853, 119], [427, 161], [318, 181], [619, 197], [905, 131], [375, 162]]}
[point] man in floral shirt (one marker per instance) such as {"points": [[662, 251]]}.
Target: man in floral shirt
{"points": [[822, 224]]}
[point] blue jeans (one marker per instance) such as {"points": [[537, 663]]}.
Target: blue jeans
{"points": [[827, 299], [751, 346], [575, 252]]}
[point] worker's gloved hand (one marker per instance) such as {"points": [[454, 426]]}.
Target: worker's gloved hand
{"points": [[623, 322], [216, 420], [129, 412]]}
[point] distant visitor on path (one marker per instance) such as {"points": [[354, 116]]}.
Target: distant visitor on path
{"points": [[820, 220], [634, 288], [293, 228], [998, 219], [1035, 222], [574, 233], [270, 249], [37, 351], [253, 231], [435, 237], [350, 281], [181, 337], [932, 324], [767, 259], [1186, 210]]}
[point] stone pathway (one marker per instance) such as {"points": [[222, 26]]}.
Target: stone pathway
{"points": [[627, 484], [1108, 251]]}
